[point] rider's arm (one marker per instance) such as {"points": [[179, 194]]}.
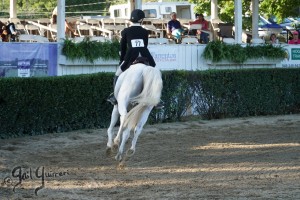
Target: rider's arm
{"points": [[123, 45]]}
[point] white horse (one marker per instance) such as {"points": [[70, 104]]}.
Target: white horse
{"points": [[141, 86]]}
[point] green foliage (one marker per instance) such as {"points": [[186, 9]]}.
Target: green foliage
{"points": [[54, 104], [91, 50], [281, 9], [217, 51], [43, 8], [31, 106]]}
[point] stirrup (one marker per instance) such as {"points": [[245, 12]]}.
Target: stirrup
{"points": [[112, 99]]}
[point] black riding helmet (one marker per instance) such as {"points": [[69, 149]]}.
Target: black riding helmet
{"points": [[137, 15]]}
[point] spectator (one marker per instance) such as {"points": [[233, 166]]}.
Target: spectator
{"points": [[8, 32], [3, 31], [205, 27], [273, 39], [11, 31], [174, 27], [295, 39]]}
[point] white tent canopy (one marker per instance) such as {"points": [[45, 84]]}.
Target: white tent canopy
{"points": [[138, 3]]}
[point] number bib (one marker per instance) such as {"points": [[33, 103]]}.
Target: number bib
{"points": [[137, 43]]}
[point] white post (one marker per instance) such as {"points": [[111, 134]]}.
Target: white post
{"points": [[214, 9], [131, 6], [60, 32], [238, 21], [138, 4], [255, 5], [13, 9], [214, 18], [60, 20]]}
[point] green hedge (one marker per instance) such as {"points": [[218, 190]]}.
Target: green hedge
{"points": [[54, 104], [31, 106], [231, 93]]}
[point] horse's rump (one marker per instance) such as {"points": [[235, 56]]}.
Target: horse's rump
{"points": [[150, 96], [152, 86]]}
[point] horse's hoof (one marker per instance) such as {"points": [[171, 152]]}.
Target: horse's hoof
{"points": [[130, 152], [121, 165], [108, 151], [118, 157], [115, 148]]}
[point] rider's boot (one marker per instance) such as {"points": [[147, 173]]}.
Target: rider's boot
{"points": [[111, 98]]}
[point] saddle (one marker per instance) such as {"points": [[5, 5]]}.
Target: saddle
{"points": [[142, 60]]}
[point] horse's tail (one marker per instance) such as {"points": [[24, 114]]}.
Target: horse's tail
{"points": [[150, 95], [152, 87], [134, 115]]}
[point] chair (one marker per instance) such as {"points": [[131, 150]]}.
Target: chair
{"points": [[44, 21], [32, 29], [78, 39], [99, 39], [120, 21], [93, 22], [152, 41], [32, 38], [160, 25], [84, 30], [225, 30], [257, 41], [20, 28], [189, 40], [108, 23], [228, 40], [154, 32], [53, 31], [15, 20], [194, 27], [4, 20], [162, 40]]}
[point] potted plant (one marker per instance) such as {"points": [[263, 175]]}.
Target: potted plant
{"points": [[90, 51], [217, 52]]}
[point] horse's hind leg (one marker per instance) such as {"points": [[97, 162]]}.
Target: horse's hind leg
{"points": [[125, 136], [114, 119], [117, 138], [138, 129]]}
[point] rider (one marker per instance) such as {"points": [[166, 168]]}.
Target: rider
{"points": [[134, 42]]}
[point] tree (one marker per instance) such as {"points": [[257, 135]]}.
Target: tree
{"points": [[280, 8], [44, 8]]}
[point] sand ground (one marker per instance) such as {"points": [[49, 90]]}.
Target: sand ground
{"points": [[245, 158]]}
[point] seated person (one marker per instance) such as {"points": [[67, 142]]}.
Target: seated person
{"points": [[4, 34], [295, 39], [174, 27], [8, 32], [11, 31], [273, 39], [200, 20]]}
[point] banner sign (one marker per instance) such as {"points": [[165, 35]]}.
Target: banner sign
{"points": [[28, 59], [293, 56], [164, 56]]}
